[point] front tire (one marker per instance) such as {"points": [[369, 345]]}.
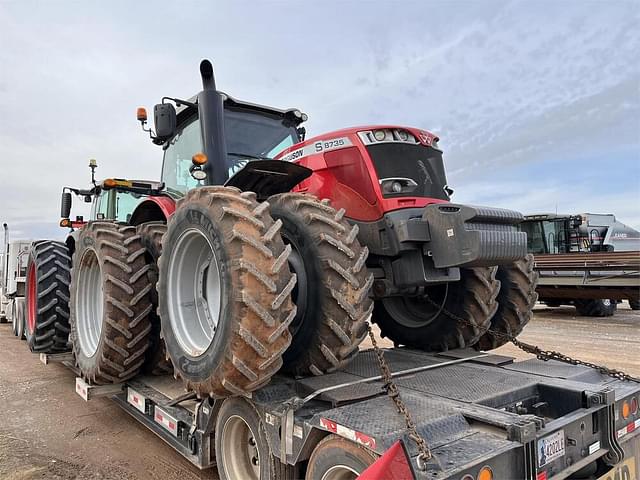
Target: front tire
{"points": [[332, 293], [451, 316], [110, 303], [225, 292]]}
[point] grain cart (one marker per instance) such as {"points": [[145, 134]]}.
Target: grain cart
{"points": [[573, 257], [12, 281]]}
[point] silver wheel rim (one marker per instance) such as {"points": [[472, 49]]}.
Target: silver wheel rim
{"points": [[89, 303], [606, 302], [340, 472], [240, 455], [194, 292]]}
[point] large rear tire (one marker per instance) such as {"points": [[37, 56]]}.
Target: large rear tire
{"points": [[47, 297], [332, 291], [157, 361], [110, 302], [516, 300], [596, 307], [336, 458], [452, 316], [225, 292], [241, 445]]}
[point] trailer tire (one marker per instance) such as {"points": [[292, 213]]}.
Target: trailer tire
{"points": [[110, 302], [11, 317], [516, 300], [344, 458], [601, 307], [19, 313], [241, 445], [332, 291], [457, 318], [157, 361], [224, 292], [634, 304], [47, 297]]}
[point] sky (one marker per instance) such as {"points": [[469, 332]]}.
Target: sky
{"points": [[537, 103]]}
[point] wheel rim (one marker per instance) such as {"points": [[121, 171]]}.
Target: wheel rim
{"points": [[31, 307], [417, 312], [89, 303], [300, 293], [340, 472], [194, 292], [240, 455], [606, 302]]}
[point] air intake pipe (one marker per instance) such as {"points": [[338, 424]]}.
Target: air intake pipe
{"points": [[211, 114]]}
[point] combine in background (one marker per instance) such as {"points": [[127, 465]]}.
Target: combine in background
{"points": [[589, 260]]}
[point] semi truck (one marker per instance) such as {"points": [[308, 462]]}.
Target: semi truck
{"points": [[12, 282]]}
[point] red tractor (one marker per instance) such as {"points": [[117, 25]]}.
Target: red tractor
{"points": [[277, 250]]}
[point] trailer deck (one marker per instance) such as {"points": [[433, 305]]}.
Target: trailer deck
{"points": [[474, 409]]}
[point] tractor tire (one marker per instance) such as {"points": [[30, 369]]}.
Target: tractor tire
{"points": [[225, 292], [596, 307], [19, 313], [157, 361], [634, 304], [455, 315], [110, 303], [338, 456], [10, 307], [332, 291], [516, 300], [47, 297], [241, 445]]}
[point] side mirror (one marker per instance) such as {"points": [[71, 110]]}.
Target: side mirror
{"points": [[65, 205], [164, 118]]}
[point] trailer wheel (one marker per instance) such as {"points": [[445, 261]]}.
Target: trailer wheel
{"points": [[516, 300], [634, 304], [11, 317], [336, 458], [596, 307], [242, 449], [47, 297], [332, 291], [157, 361], [224, 292], [110, 302], [19, 314], [454, 315]]}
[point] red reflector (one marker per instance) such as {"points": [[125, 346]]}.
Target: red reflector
{"points": [[631, 427], [349, 169], [542, 476], [392, 465]]}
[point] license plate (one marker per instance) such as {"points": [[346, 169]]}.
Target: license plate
{"points": [[622, 471], [550, 448]]}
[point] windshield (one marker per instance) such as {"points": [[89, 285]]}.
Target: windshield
{"points": [[114, 205], [545, 236], [249, 136]]}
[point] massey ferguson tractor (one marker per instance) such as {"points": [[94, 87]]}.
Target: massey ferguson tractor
{"points": [[273, 252]]}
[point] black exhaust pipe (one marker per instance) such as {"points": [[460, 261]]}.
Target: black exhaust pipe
{"points": [[211, 113]]}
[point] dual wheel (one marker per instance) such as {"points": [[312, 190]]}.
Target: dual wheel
{"points": [[243, 450]]}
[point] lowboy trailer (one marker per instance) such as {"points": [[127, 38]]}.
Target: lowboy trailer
{"points": [[484, 416]]}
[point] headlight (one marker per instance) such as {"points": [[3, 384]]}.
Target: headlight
{"points": [[379, 135]]}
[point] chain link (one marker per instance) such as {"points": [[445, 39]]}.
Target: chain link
{"points": [[424, 453]]}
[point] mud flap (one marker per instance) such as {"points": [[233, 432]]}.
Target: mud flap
{"points": [[392, 465]]}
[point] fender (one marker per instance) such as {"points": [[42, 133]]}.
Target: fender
{"points": [[153, 209], [268, 177]]}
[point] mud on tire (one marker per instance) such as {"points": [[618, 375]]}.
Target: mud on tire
{"points": [[110, 302], [225, 292], [157, 361], [332, 293], [516, 300], [425, 323], [47, 297]]}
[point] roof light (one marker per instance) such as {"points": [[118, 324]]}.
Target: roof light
{"points": [[485, 473], [199, 158], [141, 113], [379, 135]]}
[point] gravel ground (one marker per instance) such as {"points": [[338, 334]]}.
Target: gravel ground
{"points": [[48, 432]]}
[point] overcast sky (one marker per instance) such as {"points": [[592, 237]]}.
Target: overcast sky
{"points": [[537, 103]]}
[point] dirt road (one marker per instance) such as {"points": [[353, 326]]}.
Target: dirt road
{"points": [[48, 432]]}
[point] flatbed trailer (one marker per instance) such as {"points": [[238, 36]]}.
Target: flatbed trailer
{"points": [[532, 420]]}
